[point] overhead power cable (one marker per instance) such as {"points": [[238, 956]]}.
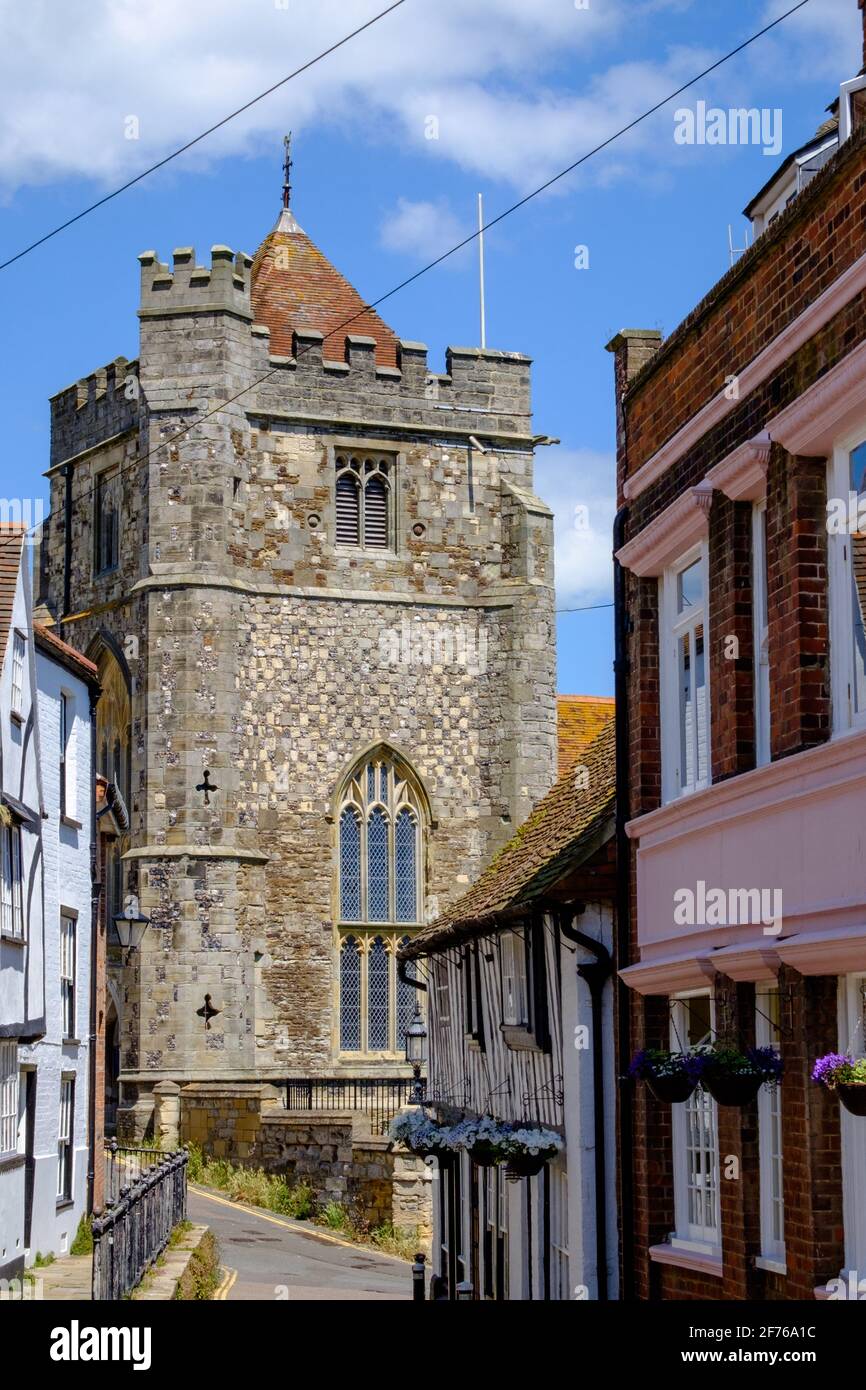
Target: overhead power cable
{"points": [[160, 164]]}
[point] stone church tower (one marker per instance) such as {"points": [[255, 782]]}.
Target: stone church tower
{"points": [[318, 584]]}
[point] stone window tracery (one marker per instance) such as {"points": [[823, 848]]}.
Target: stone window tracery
{"points": [[380, 828]]}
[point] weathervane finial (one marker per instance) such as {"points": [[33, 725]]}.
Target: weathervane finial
{"points": [[287, 170]]}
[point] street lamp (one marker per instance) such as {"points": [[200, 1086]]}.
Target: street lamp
{"points": [[131, 925], [416, 1054]]}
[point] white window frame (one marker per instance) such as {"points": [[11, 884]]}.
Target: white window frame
{"points": [[560, 1275], [9, 1096], [760, 626], [704, 1238], [852, 1028], [66, 1140], [68, 964], [844, 717], [11, 882], [673, 626], [19, 658], [68, 747], [515, 979], [770, 1151]]}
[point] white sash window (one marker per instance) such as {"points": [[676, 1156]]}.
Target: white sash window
{"points": [[694, 1125], [683, 663]]}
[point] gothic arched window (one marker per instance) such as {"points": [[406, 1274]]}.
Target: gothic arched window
{"points": [[380, 891], [364, 500]]}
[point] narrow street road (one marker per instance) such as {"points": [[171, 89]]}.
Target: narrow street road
{"points": [[271, 1257]]}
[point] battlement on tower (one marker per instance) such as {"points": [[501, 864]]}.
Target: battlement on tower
{"points": [[191, 288], [94, 409], [476, 384], [334, 374]]}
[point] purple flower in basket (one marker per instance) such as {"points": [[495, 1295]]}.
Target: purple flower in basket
{"points": [[832, 1068], [652, 1062], [766, 1060]]}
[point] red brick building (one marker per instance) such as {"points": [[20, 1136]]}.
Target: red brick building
{"points": [[742, 757]]}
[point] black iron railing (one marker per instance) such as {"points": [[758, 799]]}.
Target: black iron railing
{"points": [[380, 1098], [134, 1228], [124, 1164]]}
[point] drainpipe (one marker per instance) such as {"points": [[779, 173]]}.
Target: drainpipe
{"points": [[95, 895], [409, 979], [621, 668], [67, 543], [596, 973]]}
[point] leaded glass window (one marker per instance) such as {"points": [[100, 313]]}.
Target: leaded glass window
{"points": [[380, 891], [350, 996], [405, 836], [378, 997], [350, 865], [377, 865]]}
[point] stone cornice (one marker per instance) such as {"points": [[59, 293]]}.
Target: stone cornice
{"points": [[826, 410], [242, 856], [742, 476], [672, 533], [845, 288], [183, 580]]}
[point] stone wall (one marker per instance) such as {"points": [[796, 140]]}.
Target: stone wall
{"points": [[333, 1152]]}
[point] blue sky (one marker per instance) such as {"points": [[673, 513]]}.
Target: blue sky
{"points": [[518, 89]]}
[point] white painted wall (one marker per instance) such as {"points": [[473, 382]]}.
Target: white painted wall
{"points": [[67, 886], [22, 995]]}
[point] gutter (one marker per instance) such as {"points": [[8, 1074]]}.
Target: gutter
{"points": [[625, 1146], [596, 973]]}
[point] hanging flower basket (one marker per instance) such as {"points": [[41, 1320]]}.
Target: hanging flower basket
{"points": [[732, 1090], [839, 1072], [525, 1166], [734, 1078], [485, 1154], [422, 1137], [853, 1096], [670, 1076]]}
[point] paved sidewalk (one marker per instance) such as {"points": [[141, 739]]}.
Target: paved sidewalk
{"points": [[67, 1279]]}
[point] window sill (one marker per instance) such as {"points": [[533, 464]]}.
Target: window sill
{"points": [[771, 1266], [71, 1042], [16, 717], [71, 822], [698, 1260], [64, 1203], [11, 1161], [9, 940], [518, 1038]]}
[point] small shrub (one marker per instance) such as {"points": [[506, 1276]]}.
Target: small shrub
{"points": [[335, 1216], [83, 1242], [397, 1240], [42, 1260], [196, 1163]]}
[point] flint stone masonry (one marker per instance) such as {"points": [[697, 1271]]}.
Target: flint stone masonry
{"points": [[257, 648]]}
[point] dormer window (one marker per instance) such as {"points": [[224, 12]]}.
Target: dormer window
{"points": [[364, 500]]}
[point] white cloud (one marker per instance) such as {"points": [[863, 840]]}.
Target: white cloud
{"points": [[520, 89], [423, 230], [579, 486]]}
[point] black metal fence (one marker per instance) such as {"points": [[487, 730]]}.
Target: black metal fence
{"points": [[380, 1098], [134, 1228], [124, 1165]]}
